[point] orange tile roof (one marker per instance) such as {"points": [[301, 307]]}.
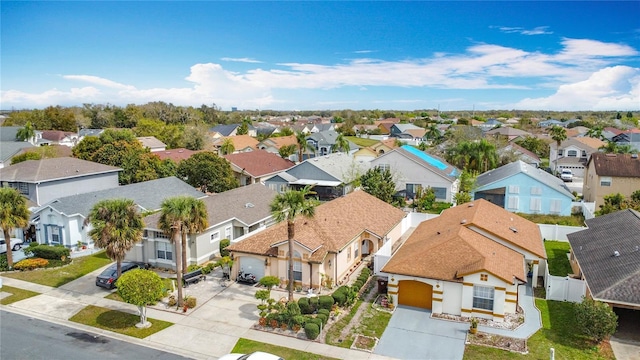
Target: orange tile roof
{"points": [[452, 245], [259, 162], [240, 142], [589, 141], [281, 141], [335, 224]]}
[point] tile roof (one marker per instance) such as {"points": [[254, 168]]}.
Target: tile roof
{"points": [[335, 224], [32, 171], [56, 135], [416, 133], [339, 165], [280, 141], [148, 195], [610, 277], [176, 155], [452, 245], [248, 204], [519, 149], [240, 142], [618, 165], [259, 162], [592, 143]]}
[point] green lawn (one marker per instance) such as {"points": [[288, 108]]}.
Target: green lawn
{"points": [[557, 257], [246, 346], [56, 277], [117, 321], [16, 294], [362, 142], [558, 332]]}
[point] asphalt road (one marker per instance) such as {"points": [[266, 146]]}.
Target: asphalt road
{"points": [[22, 337]]}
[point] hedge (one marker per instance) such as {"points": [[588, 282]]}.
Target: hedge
{"points": [[312, 331], [324, 312], [47, 252], [325, 302], [223, 247], [305, 308], [323, 318]]}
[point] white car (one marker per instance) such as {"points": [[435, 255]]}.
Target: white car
{"points": [[566, 175], [258, 355], [16, 244]]}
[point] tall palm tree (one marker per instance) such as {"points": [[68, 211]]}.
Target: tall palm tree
{"points": [[595, 132], [558, 134], [342, 144], [116, 226], [286, 207], [433, 133], [27, 133], [13, 214], [303, 145], [227, 147], [181, 215]]}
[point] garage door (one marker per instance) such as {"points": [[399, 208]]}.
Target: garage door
{"points": [[415, 293], [252, 265]]}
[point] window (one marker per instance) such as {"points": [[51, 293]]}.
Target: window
{"points": [[355, 252], [605, 181], [161, 235], [384, 167], [572, 153], [535, 204], [297, 267], [514, 189], [227, 232], [54, 234], [483, 297], [484, 277], [23, 188], [513, 203], [215, 237], [536, 190], [584, 154], [164, 251], [556, 206], [412, 189], [273, 186], [441, 193], [559, 152]]}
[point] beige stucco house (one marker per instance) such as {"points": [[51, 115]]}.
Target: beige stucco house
{"points": [[608, 174]]}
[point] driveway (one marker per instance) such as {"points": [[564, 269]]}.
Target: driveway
{"points": [[413, 334]]}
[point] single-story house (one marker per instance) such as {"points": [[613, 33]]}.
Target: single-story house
{"points": [[329, 245], [254, 166], [469, 261]]}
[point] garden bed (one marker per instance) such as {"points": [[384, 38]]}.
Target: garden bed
{"points": [[366, 343], [497, 341]]}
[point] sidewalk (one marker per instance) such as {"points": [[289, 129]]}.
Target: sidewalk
{"points": [[532, 319], [207, 332]]}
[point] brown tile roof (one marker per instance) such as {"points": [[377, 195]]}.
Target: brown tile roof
{"points": [[240, 142], [591, 142], [53, 169], [390, 143], [176, 155], [619, 165], [416, 133], [281, 141], [55, 135], [259, 162], [452, 245], [335, 224]]}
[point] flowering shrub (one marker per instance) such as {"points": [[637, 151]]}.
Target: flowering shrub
{"points": [[30, 264]]}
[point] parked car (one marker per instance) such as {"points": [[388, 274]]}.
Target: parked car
{"points": [[107, 279], [16, 244], [258, 355], [566, 175]]}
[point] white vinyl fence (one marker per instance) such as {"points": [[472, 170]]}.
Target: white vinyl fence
{"points": [[564, 288], [558, 232]]}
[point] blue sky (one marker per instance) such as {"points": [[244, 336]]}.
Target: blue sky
{"points": [[451, 55]]}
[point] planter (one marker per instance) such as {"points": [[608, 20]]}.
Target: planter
{"points": [[473, 330]]}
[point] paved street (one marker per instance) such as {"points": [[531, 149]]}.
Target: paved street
{"points": [[28, 338]]}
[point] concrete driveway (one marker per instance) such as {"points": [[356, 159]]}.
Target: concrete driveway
{"points": [[413, 334]]}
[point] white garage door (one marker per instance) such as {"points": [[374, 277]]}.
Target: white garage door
{"points": [[252, 265]]}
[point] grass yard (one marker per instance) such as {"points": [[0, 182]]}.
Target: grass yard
{"points": [[246, 346], [571, 220], [557, 257], [16, 294], [56, 277], [558, 332], [362, 142], [117, 321]]}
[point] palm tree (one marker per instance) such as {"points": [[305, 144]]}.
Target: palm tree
{"points": [[26, 133], [558, 134], [13, 214], [227, 147], [303, 145], [595, 132], [613, 147], [116, 226], [181, 215], [286, 207], [342, 144], [287, 150], [433, 133]]}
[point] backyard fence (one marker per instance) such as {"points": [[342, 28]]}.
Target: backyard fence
{"points": [[558, 232], [564, 288]]}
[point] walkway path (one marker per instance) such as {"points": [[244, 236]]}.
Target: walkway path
{"points": [[532, 319]]}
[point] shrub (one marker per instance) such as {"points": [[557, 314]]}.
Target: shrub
{"points": [[30, 264], [298, 320], [4, 265], [355, 288], [313, 303], [223, 247], [193, 267], [207, 269], [339, 297], [596, 319], [323, 318], [293, 309], [324, 312], [172, 300], [47, 252], [313, 320], [311, 330], [325, 302], [190, 302], [304, 306], [269, 281]]}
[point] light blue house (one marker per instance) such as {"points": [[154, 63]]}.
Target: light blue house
{"points": [[520, 187]]}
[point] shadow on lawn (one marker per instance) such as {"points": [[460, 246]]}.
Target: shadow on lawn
{"points": [[560, 327], [117, 319]]}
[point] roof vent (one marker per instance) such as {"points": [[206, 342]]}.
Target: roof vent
{"points": [[471, 204], [513, 229], [616, 253], [249, 205], [463, 221]]}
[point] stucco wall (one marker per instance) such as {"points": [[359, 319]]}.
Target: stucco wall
{"points": [[51, 190]]}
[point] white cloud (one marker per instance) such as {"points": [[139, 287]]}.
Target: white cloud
{"points": [[540, 30], [98, 81], [244, 60], [363, 51]]}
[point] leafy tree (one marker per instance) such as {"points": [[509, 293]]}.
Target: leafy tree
{"points": [[379, 183], [303, 145], [140, 288], [595, 132], [558, 134], [617, 202], [596, 319], [60, 118], [208, 172], [342, 144], [116, 226], [479, 156], [286, 131], [29, 155], [467, 184], [535, 145], [243, 129], [26, 133], [433, 134], [13, 214], [227, 146], [286, 207], [287, 151], [194, 138], [424, 199], [612, 147]]}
